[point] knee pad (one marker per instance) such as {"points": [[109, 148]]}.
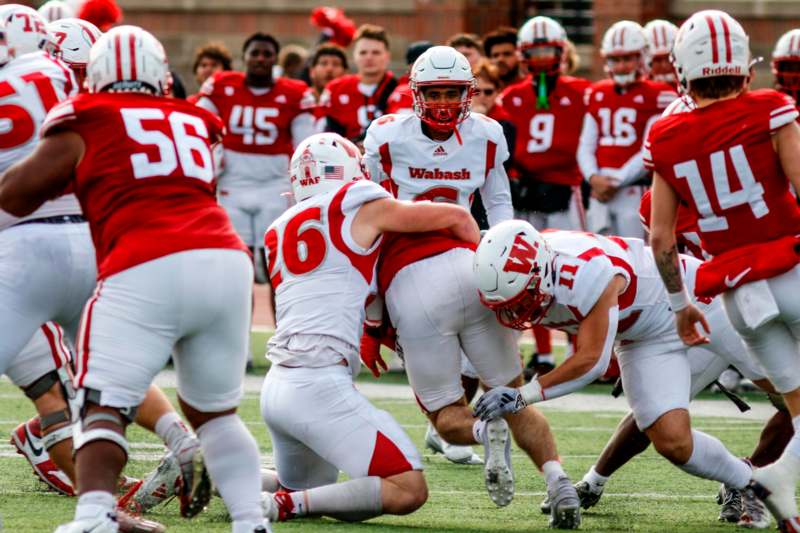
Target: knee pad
{"points": [[41, 386], [84, 433], [63, 433]]}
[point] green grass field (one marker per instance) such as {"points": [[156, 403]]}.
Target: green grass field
{"points": [[649, 494]]}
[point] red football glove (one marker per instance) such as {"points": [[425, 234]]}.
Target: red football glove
{"points": [[371, 353]]}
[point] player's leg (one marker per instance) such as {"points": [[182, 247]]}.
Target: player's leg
{"points": [[210, 362]]}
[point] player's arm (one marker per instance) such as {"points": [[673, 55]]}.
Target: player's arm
{"points": [[496, 191], [587, 147], [787, 145], [595, 343], [206, 103], [389, 215], [664, 207], [303, 127], [42, 175]]}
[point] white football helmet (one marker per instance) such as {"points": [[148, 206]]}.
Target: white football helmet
{"points": [[624, 38], [73, 39], [323, 163], [515, 272], [442, 66], [127, 58], [786, 63], [660, 36], [54, 10], [543, 43], [5, 53], [26, 30], [710, 43]]}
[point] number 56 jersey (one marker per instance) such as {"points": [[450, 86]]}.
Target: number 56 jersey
{"points": [[321, 278], [146, 179]]}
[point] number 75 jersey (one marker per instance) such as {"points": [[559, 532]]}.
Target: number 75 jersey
{"points": [[720, 160], [320, 276]]}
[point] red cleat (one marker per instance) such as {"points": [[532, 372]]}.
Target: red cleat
{"points": [[27, 439]]}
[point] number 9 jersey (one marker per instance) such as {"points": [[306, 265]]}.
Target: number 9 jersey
{"points": [[146, 180]]}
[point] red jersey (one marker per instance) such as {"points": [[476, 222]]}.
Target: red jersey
{"points": [[720, 161], [146, 180], [620, 120], [401, 101], [257, 121], [348, 110], [547, 139]]}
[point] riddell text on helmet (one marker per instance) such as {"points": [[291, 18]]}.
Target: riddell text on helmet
{"points": [[723, 71]]}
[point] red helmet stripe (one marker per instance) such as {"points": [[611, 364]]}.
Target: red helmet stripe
{"points": [[118, 54], [87, 32], [727, 33], [663, 36], [713, 30], [132, 50]]}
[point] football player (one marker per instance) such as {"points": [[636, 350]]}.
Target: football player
{"points": [[731, 161], [786, 64], [352, 102], [176, 277], [500, 47], [264, 119], [54, 10], [606, 291], [443, 153], [322, 257], [328, 63], [660, 36], [619, 113]]}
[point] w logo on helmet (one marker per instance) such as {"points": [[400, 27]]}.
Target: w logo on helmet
{"points": [[521, 257]]}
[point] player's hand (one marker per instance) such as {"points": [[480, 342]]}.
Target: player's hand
{"points": [[686, 322], [498, 402], [467, 230], [603, 187], [370, 350]]}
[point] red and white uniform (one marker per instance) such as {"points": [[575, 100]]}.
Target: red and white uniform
{"points": [[262, 127], [414, 167], [166, 252], [614, 129], [47, 271], [401, 102], [656, 373], [721, 162], [322, 279], [547, 143], [350, 106]]}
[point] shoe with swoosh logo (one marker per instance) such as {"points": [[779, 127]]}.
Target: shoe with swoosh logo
{"points": [[27, 439]]}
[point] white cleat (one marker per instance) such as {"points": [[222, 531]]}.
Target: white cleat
{"points": [[497, 469], [462, 455], [775, 485], [754, 512], [154, 489], [104, 524], [251, 527]]}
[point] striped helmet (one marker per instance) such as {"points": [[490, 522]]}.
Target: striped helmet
{"points": [[621, 39], [543, 43], [128, 59], [786, 62], [54, 10], [660, 36]]}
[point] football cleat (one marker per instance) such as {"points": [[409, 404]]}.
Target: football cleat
{"points": [[462, 455], [126, 483], [565, 506], [754, 512], [588, 496], [195, 486], [27, 439], [130, 523], [775, 485], [730, 501], [498, 475], [100, 524], [277, 507], [544, 507], [154, 489]]}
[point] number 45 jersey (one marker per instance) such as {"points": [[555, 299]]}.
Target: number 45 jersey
{"points": [[321, 277], [146, 179]]}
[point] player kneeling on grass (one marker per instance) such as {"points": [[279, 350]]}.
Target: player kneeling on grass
{"points": [[172, 275], [606, 291], [322, 256]]}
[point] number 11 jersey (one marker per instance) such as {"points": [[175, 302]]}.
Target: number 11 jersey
{"points": [[146, 179]]}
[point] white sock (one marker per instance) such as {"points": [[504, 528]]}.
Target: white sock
{"points": [[552, 470], [711, 460], [478, 427], [232, 459], [172, 431], [269, 481], [350, 501], [595, 480], [94, 503], [794, 444], [546, 358]]}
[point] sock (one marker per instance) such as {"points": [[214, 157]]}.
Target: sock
{"points": [[794, 443], [595, 480], [94, 503], [232, 458], [711, 460], [552, 470], [172, 431], [269, 481], [478, 428], [350, 501], [546, 358]]}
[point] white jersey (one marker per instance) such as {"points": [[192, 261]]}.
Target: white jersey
{"points": [[416, 167], [321, 278], [29, 86], [586, 263]]}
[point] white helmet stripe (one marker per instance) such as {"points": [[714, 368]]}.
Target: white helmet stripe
{"points": [[132, 51]]}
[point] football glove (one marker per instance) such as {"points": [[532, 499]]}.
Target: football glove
{"points": [[370, 350], [498, 402]]}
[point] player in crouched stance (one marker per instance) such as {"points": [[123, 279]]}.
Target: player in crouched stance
{"points": [[322, 254], [172, 275]]}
